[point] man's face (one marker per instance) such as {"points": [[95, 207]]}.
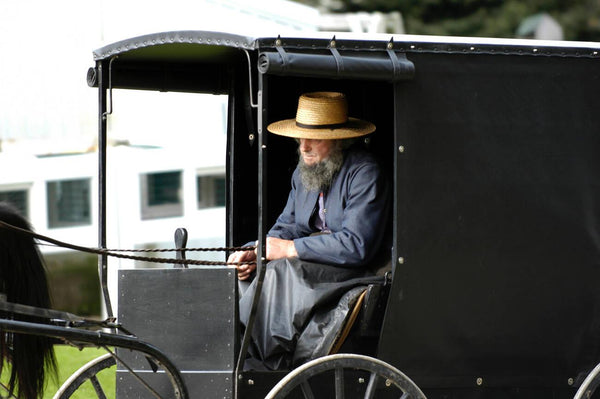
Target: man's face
{"points": [[314, 151]]}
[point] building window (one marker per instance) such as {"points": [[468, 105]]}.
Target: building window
{"points": [[211, 191], [18, 199], [69, 203], [161, 195]]}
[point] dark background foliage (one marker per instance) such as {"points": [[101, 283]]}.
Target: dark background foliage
{"points": [[580, 19]]}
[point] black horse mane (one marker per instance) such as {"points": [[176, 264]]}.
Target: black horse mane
{"points": [[23, 281]]}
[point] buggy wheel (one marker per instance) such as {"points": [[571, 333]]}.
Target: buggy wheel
{"points": [[87, 372], [589, 385], [8, 394], [366, 373]]}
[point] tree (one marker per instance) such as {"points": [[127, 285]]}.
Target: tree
{"points": [[580, 19]]}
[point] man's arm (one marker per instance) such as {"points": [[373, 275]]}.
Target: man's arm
{"points": [[278, 248], [363, 222]]}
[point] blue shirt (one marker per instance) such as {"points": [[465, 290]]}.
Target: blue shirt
{"points": [[357, 204]]}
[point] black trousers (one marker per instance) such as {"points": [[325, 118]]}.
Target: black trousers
{"points": [[291, 293]]}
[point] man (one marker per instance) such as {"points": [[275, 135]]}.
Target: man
{"points": [[332, 226]]}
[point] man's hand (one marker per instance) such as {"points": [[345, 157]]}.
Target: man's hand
{"points": [[243, 256], [278, 248]]}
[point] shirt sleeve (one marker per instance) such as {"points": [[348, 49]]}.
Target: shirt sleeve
{"points": [[365, 214]]}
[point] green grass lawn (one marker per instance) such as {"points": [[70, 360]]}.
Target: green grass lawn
{"points": [[69, 360]]}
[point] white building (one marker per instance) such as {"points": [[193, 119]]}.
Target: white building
{"points": [[152, 188], [172, 172]]}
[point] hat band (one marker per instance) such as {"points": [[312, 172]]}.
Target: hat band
{"points": [[326, 126]]}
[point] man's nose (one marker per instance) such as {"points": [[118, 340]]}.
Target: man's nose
{"points": [[304, 145]]}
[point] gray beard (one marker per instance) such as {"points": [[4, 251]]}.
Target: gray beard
{"points": [[318, 177]]}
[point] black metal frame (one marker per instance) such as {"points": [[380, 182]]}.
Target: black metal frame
{"points": [[262, 220], [83, 337], [102, 141]]}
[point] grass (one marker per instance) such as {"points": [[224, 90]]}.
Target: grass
{"points": [[69, 360]]}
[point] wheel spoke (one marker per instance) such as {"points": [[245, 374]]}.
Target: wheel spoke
{"points": [[306, 390], [12, 395], [97, 387], [370, 393], [339, 383]]}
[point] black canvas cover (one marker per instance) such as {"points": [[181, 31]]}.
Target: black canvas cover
{"points": [[498, 217]]}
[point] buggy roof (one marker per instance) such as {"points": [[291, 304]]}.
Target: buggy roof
{"points": [[203, 61], [195, 45]]}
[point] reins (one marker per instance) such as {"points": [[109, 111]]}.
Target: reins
{"points": [[118, 253]]}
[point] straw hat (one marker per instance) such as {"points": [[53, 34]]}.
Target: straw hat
{"points": [[322, 115]]}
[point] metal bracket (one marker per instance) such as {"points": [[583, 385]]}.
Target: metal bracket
{"points": [[399, 69], [110, 95], [281, 52], [393, 56], [252, 103], [336, 55]]}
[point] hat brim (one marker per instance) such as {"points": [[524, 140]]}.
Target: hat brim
{"points": [[353, 128]]}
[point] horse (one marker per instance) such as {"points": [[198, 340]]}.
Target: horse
{"points": [[23, 281]]}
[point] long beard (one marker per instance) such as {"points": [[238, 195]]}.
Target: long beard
{"points": [[318, 177]]}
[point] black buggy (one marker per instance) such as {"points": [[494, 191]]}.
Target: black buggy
{"points": [[492, 146]]}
